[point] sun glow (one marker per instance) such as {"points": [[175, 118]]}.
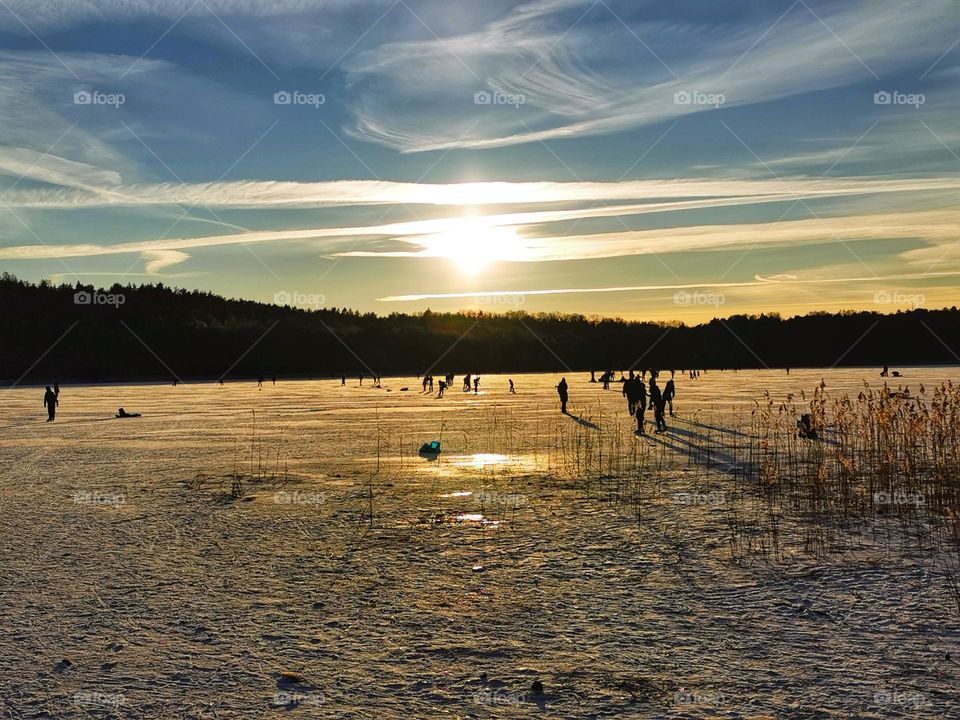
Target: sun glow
{"points": [[475, 246]]}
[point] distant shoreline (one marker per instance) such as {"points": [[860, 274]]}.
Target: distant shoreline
{"points": [[7, 384], [159, 333]]}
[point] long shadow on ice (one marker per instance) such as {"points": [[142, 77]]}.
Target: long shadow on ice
{"points": [[684, 442]]}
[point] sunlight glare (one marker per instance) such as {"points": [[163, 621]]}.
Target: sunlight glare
{"points": [[476, 246]]}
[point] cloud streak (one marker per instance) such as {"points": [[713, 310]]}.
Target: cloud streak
{"points": [[282, 194], [601, 77], [758, 282]]}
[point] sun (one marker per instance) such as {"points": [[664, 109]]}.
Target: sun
{"points": [[475, 247]]}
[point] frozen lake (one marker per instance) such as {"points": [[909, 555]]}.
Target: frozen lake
{"points": [[505, 561]]}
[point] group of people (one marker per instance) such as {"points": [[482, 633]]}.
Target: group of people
{"points": [[444, 384], [343, 379], [640, 397], [51, 400], [470, 382]]}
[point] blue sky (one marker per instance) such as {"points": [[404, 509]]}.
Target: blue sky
{"points": [[643, 159]]}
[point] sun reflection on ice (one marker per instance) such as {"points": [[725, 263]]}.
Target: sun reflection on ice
{"points": [[479, 461]]}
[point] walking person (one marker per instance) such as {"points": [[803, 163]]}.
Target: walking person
{"points": [[562, 392], [658, 404], [50, 401], [640, 406], [476, 385], [513, 390], [632, 389], [669, 393]]}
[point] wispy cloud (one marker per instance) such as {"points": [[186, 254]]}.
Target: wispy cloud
{"points": [[602, 76], [773, 283], [278, 194], [438, 238]]}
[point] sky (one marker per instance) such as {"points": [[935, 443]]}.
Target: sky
{"points": [[631, 158]]}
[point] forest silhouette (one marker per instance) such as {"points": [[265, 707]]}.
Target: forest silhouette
{"points": [[78, 333]]}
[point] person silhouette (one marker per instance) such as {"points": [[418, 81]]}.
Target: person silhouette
{"points": [[476, 384], [121, 413], [562, 392], [513, 390], [806, 429], [640, 407], [669, 393], [443, 386], [50, 401], [629, 391], [466, 383], [343, 379], [658, 404]]}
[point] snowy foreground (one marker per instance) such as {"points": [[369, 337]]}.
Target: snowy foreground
{"points": [[217, 558]]}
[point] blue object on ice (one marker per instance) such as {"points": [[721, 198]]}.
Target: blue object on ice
{"points": [[430, 448]]}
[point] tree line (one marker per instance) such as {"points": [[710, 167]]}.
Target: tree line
{"points": [[154, 332]]}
